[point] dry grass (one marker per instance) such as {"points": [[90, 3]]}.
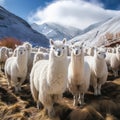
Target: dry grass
{"points": [[22, 107]]}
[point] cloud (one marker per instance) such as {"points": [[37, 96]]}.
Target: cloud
{"points": [[2, 2], [77, 13]]}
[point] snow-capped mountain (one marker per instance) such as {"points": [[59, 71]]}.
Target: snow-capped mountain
{"points": [[13, 26], [55, 31], [92, 37]]}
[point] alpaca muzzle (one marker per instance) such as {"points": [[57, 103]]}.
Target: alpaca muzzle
{"points": [[58, 53], [76, 52]]}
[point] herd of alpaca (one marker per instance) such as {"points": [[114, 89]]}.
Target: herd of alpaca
{"points": [[52, 72]]}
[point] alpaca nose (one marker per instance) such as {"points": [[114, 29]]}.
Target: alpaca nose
{"points": [[21, 52], [58, 52], [76, 52], [104, 55]]}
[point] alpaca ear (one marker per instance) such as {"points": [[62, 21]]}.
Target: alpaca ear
{"points": [[72, 43], [51, 42], [16, 45], [64, 40]]}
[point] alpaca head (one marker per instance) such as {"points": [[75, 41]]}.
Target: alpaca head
{"points": [[28, 46], [4, 50], [100, 54], [118, 49], [21, 50], [58, 48], [39, 56], [109, 50], [76, 49]]}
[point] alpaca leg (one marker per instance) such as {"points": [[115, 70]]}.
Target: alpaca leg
{"points": [[99, 89], [21, 80], [115, 72], [9, 80], [16, 89], [2, 67], [48, 102], [57, 98], [94, 83], [81, 99], [15, 81], [75, 103], [39, 105], [50, 110], [35, 94]]}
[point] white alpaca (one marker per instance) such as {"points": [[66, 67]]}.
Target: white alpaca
{"points": [[99, 70], [48, 78], [78, 74], [16, 68], [38, 56], [91, 51], [3, 56], [30, 57], [109, 50], [113, 61], [42, 49]]}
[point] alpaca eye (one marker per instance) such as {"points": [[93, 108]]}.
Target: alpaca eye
{"points": [[53, 47], [62, 47]]}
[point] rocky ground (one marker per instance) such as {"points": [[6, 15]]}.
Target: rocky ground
{"points": [[22, 107]]}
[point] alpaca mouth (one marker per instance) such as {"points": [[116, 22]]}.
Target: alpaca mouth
{"points": [[21, 53], [76, 52], [104, 55], [58, 53]]}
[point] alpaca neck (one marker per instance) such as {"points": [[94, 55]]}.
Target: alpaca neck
{"points": [[22, 62], [99, 64], [29, 54], [57, 61], [118, 55], [57, 69], [77, 63]]}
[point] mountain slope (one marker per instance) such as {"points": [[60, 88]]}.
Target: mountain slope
{"points": [[13, 26], [55, 31], [93, 37]]}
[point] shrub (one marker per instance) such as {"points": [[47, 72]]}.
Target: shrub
{"points": [[10, 42]]}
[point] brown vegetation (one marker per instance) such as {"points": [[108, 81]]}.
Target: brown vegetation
{"points": [[22, 107], [10, 42]]}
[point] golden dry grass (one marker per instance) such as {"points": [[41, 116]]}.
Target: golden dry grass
{"points": [[22, 107]]}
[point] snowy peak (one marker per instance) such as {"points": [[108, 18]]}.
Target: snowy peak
{"points": [[56, 31], [14, 26], [97, 36]]}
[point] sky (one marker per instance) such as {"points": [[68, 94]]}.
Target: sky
{"points": [[76, 13]]}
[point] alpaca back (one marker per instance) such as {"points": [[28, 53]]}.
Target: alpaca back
{"points": [[37, 73], [87, 75], [8, 65]]}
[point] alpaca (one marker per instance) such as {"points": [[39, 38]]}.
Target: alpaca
{"points": [[91, 51], [110, 50], [48, 78], [16, 68], [30, 57], [3, 56], [78, 74], [113, 61], [99, 70], [42, 49], [38, 56]]}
